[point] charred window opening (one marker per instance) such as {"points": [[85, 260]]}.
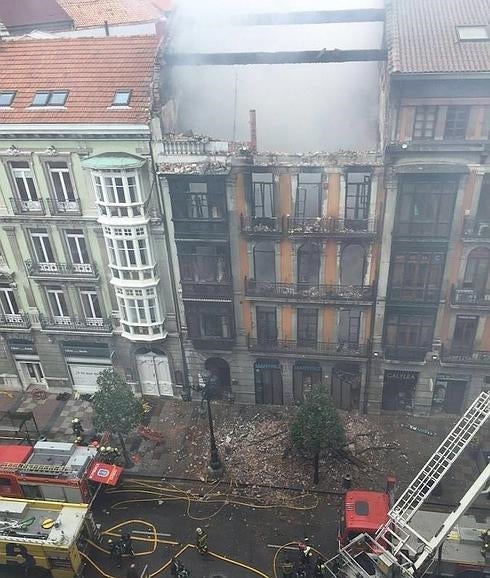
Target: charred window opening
{"points": [[398, 390], [205, 263], [476, 272], [408, 335], [357, 196], [266, 324], [416, 276], [349, 326], [456, 122], [262, 195], [464, 334], [309, 264], [264, 262], [307, 326], [308, 195], [211, 320], [198, 199], [268, 382], [425, 122], [425, 206]]}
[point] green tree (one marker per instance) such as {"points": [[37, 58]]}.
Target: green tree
{"points": [[317, 427], [116, 409]]}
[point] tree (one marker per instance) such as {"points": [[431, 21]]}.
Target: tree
{"points": [[317, 427], [116, 408]]}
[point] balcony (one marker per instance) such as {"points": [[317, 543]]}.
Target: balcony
{"points": [[316, 348], [477, 229], [405, 353], [211, 343], [73, 324], [331, 227], [64, 207], [464, 355], [61, 270], [200, 228], [20, 207], [206, 290], [14, 321], [312, 293], [412, 295], [261, 226], [469, 298]]}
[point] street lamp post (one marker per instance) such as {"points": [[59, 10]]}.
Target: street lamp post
{"points": [[215, 466]]}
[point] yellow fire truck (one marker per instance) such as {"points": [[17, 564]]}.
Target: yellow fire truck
{"points": [[43, 538]]}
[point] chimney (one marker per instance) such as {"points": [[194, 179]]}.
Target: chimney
{"points": [[253, 130], [106, 27]]}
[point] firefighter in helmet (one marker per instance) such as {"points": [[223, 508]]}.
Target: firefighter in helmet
{"points": [[201, 541]]}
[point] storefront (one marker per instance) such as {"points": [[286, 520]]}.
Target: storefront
{"points": [[306, 374], [346, 385], [399, 390], [85, 362], [268, 382], [449, 393], [27, 362]]}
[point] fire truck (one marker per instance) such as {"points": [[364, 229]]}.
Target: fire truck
{"points": [[53, 471], [379, 539], [44, 538]]}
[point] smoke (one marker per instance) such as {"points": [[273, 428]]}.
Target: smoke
{"points": [[300, 107]]}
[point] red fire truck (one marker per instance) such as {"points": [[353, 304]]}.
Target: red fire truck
{"points": [[53, 471]]}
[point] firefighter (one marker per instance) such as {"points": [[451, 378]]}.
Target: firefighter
{"points": [[116, 552], [320, 568], [201, 541], [287, 567], [76, 426], [301, 571], [305, 551], [127, 544], [485, 547]]}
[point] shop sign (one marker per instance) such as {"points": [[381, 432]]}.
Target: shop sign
{"points": [[407, 378], [22, 346], [85, 375], [80, 350]]}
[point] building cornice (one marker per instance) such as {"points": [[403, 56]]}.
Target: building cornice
{"points": [[53, 130]]}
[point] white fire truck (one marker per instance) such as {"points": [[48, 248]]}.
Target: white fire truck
{"points": [[413, 542]]}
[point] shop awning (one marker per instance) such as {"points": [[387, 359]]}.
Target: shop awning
{"points": [[105, 473]]}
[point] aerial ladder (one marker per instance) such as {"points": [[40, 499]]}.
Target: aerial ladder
{"points": [[392, 549]]}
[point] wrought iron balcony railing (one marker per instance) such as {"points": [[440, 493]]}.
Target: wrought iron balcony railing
{"points": [[405, 352], [19, 207], [458, 354], [205, 289], [79, 270], [307, 292], [200, 228], [15, 321], [75, 324], [308, 347], [329, 226], [261, 225], [64, 207], [469, 297]]}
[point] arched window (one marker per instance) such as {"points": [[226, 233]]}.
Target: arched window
{"points": [[476, 273], [309, 264], [220, 370], [352, 265], [265, 262]]}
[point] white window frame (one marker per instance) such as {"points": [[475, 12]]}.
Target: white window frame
{"points": [[25, 174], [44, 264], [59, 316], [64, 174], [124, 244], [37, 377], [106, 187], [90, 316], [136, 308], [9, 294], [79, 253]]}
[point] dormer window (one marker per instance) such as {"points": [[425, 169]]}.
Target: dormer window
{"points": [[121, 98], [472, 33], [7, 97], [50, 98]]}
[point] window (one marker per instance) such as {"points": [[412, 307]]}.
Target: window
{"points": [[212, 325], [262, 195], [77, 246], [7, 97], [357, 196], [425, 122], [308, 195], [32, 372], [90, 303], [210, 320], [483, 213], [473, 33], [205, 263], [464, 334], [425, 206], [8, 302], [405, 330], [57, 301], [268, 382], [352, 265], [42, 246], [118, 193], [265, 262], [198, 199], [307, 326], [349, 326], [266, 324], [128, 247], [50, 98], [309, 264], [121, 98], [456, 122], [476, 272], [61, 181], [24, 181], [416, 276]]}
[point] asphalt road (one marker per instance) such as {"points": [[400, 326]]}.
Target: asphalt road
{"points": [[244, 533]]}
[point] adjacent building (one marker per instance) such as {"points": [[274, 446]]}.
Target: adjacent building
{"points": [[83, 258]]}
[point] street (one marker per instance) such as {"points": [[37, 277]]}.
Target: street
{"points": [[244, 534]]}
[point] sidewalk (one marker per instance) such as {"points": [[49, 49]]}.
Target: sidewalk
{"points": [[254, 445]]}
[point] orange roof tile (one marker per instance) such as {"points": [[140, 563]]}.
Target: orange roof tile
{"points": [[91, 69], [422, 36], [86, 13]]}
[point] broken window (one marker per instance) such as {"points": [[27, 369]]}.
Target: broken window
{"points": [[309, 264], [265, 262], [197, 198], [425, 206], [464, 334], [207, 263], [352, 265], [409, 330], [307, 326], [416, 276], [476, 272], [425, 122], [308, 195], [399, 390], [357, 195], [211, 320], [263, 195], [456, 122]]}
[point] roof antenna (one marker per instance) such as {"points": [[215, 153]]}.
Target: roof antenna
{"points": [[106, 27]]}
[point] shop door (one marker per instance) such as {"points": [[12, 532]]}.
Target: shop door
{"points": [[268, 384], [346, 384], [154, 374], [31, 373], [454, 396]]}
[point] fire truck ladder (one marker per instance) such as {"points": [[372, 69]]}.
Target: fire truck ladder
{"points": [[391, 544], [24, 468]]}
